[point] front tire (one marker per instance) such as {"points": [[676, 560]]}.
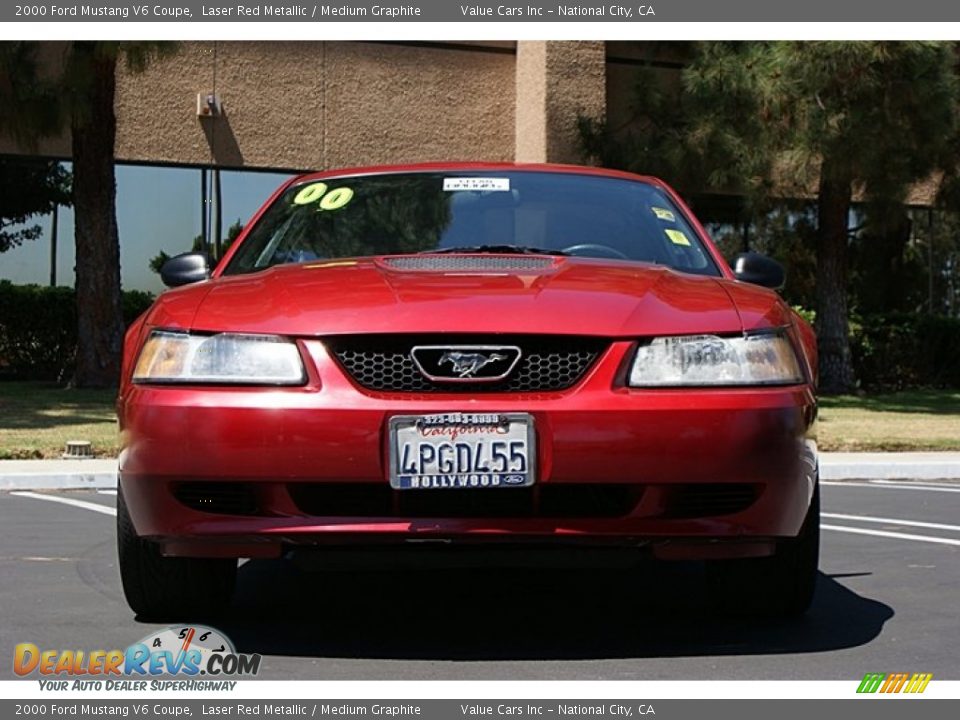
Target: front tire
{"points": [[164, 588], [779, 586]]}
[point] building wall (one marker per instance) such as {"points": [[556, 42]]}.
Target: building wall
{"points": [[311, 105], [305, 105], [558, 82]]}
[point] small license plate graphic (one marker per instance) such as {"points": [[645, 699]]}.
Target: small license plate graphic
{"points": [[462, 450]]}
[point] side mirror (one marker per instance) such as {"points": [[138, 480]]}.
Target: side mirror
{"points": [[185, 269], [758, 269]]}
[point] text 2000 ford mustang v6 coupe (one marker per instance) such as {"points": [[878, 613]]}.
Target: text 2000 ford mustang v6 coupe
{"points": [[526, 356]]}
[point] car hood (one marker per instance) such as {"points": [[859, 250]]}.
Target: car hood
{"points": [[382, 295]]}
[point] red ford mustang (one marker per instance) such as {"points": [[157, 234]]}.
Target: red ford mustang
{"points": [[520, 356]]}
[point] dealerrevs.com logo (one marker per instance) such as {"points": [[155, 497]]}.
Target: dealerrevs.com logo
{"points": [[189, 652]]}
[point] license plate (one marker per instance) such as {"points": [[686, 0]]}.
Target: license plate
{"points": [[461, 450]]}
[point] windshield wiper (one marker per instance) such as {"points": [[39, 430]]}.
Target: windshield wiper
{"points": [[496, 250]]}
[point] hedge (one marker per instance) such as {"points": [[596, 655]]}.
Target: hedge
{"points": [[38, 329], [899, 351]]}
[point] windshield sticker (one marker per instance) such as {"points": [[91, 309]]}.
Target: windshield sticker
{"points": [[677, 237], [310, 194], [488, 184], [317, 193], [336, 199], [664, 214]]}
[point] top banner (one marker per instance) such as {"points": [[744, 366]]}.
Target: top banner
{"points": [[738, 11]]}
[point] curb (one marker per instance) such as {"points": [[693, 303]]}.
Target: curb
{"points": [[890, 466], [58, 474]]}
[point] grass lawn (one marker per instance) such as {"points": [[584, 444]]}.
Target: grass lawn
{"points": [[36, 420], [910, 420]]}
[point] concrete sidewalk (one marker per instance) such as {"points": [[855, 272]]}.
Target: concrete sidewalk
{"points": [[57, 474], [889, 466], [74, 474]]}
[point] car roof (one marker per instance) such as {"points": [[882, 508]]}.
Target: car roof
{"points": [[478, 167]]}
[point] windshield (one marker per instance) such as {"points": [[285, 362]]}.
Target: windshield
{"points": [[490, 211]]}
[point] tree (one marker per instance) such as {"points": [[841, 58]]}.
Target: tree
{"points": [[827, 119], [157, 261], [29, 188], [28, 110], [79, 96], [704, 128], [868, 116]]}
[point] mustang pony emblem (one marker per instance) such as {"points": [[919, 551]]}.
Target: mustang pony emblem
{"points": [[466, 364]]}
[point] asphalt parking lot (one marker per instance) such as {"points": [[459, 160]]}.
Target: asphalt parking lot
{"points": [[886, 602]]}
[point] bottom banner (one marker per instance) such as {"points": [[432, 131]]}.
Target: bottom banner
{"points": [[475, 709]]}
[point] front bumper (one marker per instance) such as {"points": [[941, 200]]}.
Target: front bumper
{"points": [[294, 454]]}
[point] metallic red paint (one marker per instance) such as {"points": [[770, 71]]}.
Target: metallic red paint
{"points": [[599, 431], [594, 297]]}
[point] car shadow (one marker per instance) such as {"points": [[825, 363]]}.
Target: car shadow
{"points": [[657, 610]]}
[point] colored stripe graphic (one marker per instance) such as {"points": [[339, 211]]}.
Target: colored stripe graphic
{"points": [[894, 682], [919, 684], [898, 683], [871, 682]]}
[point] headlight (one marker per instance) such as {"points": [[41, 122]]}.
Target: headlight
{"points": [[174, 357], [766, 359]]}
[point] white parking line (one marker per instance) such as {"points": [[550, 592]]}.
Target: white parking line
{"points": [[891, 521], [895, 535], [838, 528], [892, 486], [69, 501], [107, 492]]}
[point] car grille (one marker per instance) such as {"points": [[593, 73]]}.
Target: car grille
{"points": [[469, 263], [547, 363], [560, 500]]}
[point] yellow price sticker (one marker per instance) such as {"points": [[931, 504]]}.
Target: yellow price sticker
{"points": [[310, 194], [336, 199], [663, 214], [317, 193], [677, 237]]}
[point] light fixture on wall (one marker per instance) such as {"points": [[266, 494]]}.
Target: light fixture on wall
{"points": [[209, 105]]}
